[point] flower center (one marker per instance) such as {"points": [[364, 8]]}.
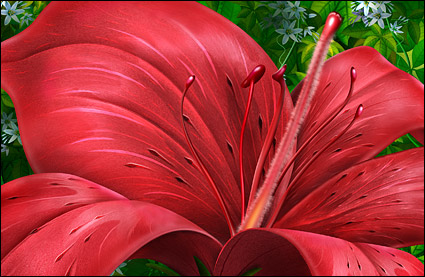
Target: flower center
{"points": [[260, 200]]}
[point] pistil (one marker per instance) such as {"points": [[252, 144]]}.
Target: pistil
{"points": [[260, 206]]}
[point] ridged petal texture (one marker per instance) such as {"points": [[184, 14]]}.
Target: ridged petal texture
{"points": [[103, 101], [81, 229], [380, 201], [296, 253], [393, 104]]}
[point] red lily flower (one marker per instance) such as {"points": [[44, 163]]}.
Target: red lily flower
{"points": [[118, 177]]}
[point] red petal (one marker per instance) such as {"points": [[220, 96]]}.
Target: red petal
{"points": [[105, 88], [95, 239], [380, 201], [289, 252], [393, 104], [29, 202]]}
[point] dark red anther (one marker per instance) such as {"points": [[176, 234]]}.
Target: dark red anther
{"points": [[353, 74], [189, 82], [359, 111], [254, 76], [278, 75]]}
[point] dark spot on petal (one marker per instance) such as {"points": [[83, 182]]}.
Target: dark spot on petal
{"points": [[400, 265], [73, 179], [87, 238], [363, 196], [154, 152], [189, 160], [337, 150], [376, 250], [230, 147], [34, 231], [13, 197], [274, 143], [92, 188], [349, 222], [260, 123], [372, 231], [395, 169], [348, 264], [315, 152], [359, 266], [358, 135], [392, 253], [368, 145], [180, 180], [383, 270]]}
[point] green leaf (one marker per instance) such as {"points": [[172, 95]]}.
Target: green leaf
{"points": [[252, 272], [230, 11], [163, 268], [418, 54], [5, 98], [414, 31], [203, 270], [244, 12], [356, 31], [420, 74]]}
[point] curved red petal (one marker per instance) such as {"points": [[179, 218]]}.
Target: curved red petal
{"points": [[105, 88], [380, 201], [290, 252], [393, 104], [95, 239], [29, 202]]}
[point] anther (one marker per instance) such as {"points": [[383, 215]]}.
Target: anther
{"points": [[202, 167], [252, 78], [278, 77]]}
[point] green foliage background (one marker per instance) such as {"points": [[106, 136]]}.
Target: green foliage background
{"points": [[405, 51]]}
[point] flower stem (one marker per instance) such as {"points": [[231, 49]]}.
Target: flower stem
{"points": [[402, 48]]}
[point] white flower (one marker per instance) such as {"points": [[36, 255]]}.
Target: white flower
{"points": [[395, 28], [5, 148], [307, 30], [26, 18], [7, 121], [11, 12], [13, 133], [311, 15], [383, 5], [365, 5], [279, 8], [294, 9], [289, 32], [378, 16]]}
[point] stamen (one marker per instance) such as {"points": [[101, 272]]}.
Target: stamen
{"points": [[252, 78], [334, 113], [275, 213], [278, 77], [260, 206], [204, 171]]}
